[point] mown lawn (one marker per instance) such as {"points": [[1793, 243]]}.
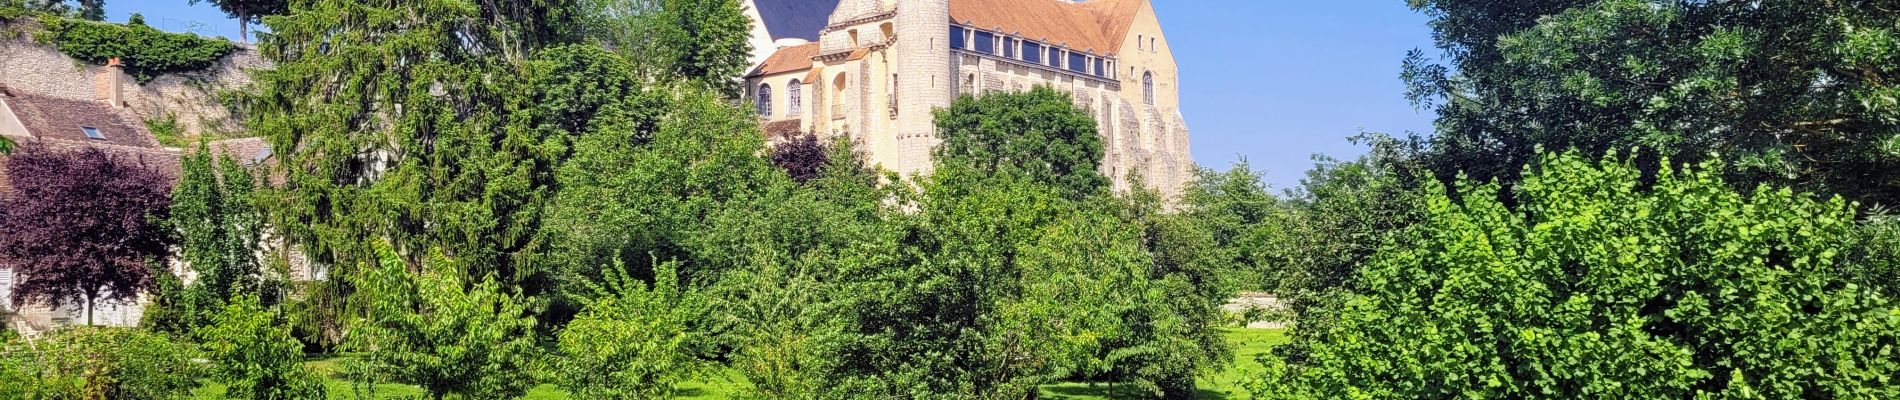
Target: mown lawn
{"points": [[1250, 343]]}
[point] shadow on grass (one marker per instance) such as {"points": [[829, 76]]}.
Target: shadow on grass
{"points": [[689, 392]]}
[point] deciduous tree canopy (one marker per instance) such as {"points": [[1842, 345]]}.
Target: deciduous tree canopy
{"points": [[82, 226]]}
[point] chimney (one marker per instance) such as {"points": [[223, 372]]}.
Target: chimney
{"points": [[110, 88]]}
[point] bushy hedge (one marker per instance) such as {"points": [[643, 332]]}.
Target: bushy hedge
{"points": [[1599, 286], [111, 363], [146, 51]]}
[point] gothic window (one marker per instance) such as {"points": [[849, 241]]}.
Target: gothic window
{"points": [[956, 37], [1148, 87], [1032, 52], [985, 42], [765, 100], [794, 97]]}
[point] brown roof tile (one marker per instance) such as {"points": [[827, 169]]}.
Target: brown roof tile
{"points": [[1096, 26], [250, 152], [782, 128], [789, 59], [57, 119]]}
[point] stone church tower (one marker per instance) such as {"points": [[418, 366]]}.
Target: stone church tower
{"points": [[874, 70], [922, 79]]}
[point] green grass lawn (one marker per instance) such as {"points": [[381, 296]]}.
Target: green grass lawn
{"points": [[1249, 344]]}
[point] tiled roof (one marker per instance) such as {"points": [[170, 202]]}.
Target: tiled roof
{"points": [[782, 128], [52, 118], [1097, 26], [794, 19], [250, 151], [789, 59]]}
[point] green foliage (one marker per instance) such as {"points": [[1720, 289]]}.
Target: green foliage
{"points": [[400, 127], [1040, 134], [632, 341], [979, 302], [146, 51], [1875, 262], [1339, 216], [89, 363], [702, 41], [1794, 93], [1599, 286], [219, 225], [644, 186], [255, 356], [705, 40], [1201, 254], [427, 327]]}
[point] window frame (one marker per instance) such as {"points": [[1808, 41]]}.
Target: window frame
{"points": [[93, 133], [793, 93], [763, 99]]}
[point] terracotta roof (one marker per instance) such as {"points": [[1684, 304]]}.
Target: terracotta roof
{"points": [[52, 118], [858, 54], [1097, 26], [789, 59], [1115, 17], [782, 128], [250, 152]]}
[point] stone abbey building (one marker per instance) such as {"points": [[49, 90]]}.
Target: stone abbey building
{"points": [[873, 70]]}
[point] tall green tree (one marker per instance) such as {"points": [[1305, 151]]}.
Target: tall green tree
{"points": [[248, 12], [1793, 93], [1599, 285], [1039, 134], [397, 122], [703, 41], [219, 229]]}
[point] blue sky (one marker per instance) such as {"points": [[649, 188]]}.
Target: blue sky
{"points": [[1274, 81]]}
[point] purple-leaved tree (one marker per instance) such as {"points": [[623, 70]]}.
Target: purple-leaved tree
{"points": [[82, 226]]}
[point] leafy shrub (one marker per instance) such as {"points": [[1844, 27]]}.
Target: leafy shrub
{"points": [[633, 341], [146, 51], [255, 356], [1600, 287], [432, 330], [87, 362]]}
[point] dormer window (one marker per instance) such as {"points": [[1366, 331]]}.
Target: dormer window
{"points": [[93, 133]]}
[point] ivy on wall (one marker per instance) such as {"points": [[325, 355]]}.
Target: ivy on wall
{"points": [[145, 51]]}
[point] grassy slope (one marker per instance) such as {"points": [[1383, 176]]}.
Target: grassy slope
{"points": [[1249, 344]]}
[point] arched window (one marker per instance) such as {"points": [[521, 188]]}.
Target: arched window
{"points": [[1148, 87], [765, 100], [794, 97]]}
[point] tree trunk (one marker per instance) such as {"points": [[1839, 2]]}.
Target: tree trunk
{"points": [[244, 28], [89, 297]]}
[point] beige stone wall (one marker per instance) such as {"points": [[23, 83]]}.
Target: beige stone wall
{"points": [[192, 98]]}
